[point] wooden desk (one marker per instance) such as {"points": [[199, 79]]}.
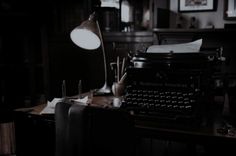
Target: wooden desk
{"points": [[149, 132], [35, 133]]}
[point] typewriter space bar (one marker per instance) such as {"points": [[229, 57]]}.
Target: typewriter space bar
{"points": [[157, 115]]}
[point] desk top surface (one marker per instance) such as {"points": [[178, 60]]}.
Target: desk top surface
{"points": [[216, 130]]}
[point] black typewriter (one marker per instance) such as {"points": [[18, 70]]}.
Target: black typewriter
{"points": [[171, 86]]}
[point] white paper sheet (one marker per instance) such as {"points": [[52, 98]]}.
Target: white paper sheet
{"points": [[191, 47], [50, 107]]}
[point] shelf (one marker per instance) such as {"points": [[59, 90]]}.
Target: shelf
{"points": [[162, 30], [137, 36]]}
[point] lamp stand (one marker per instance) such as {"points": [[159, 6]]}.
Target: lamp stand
{"points": [[105, 89]]}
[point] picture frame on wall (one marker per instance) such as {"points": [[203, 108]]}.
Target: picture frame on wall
{"points": [[230, 10], [196, 5]]}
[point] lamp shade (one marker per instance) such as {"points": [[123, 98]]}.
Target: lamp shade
{"points": [[87, 35]]}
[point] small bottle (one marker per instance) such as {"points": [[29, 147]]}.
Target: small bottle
{"points": [[180, 22], [193, 23]]}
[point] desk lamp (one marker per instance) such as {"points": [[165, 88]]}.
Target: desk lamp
{"points": [[88, 36]]}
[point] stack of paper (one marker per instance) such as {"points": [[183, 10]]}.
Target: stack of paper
{"points": [[50, 107]]}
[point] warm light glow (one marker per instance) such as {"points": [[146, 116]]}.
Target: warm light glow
{"points": [[85, 39]]}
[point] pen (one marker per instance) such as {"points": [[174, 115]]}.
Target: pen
{"points": [[123, 66], [122, 78], [118, 68], [113, 68]]}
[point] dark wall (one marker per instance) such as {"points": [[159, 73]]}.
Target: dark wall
{"points": [[66, 61], [35, 50], [20, 52], [71, 63]]}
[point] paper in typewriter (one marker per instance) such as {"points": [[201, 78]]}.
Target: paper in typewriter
{"points": [[190, 47]]}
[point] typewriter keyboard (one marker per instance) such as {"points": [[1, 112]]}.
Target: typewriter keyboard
{"points": [[165, 102]]}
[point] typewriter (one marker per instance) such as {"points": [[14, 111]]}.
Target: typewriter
{"points": [[169, 86]]}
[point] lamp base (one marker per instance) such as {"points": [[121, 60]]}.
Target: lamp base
{"points": [[105, 90]]}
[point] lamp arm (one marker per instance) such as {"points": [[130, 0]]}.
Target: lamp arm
{"points": [[105, 88]]}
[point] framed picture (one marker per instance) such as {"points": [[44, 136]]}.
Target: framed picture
{"points": [[230, 10], [196, 5]]}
